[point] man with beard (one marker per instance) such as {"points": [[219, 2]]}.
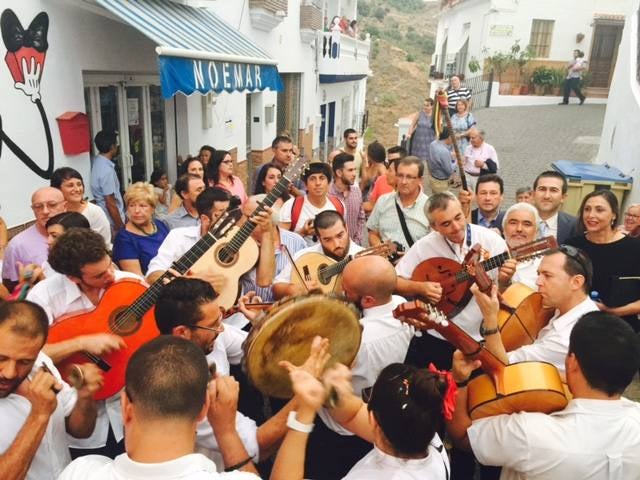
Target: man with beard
{"points": [[283, 155], [549, 192], [333, 241], [350, 146], [345, 188], [37, 409], [187, 308], [105, 184]]}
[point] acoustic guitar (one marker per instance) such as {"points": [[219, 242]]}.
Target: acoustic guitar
{"points": [[518, 387], [456, 278], [326, 271], [126, 309], [237, 253]]}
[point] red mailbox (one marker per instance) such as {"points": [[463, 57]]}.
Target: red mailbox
{"points": [[74, 132]]}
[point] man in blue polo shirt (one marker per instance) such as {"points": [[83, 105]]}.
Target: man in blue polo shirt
{"points": [[105, 185]]}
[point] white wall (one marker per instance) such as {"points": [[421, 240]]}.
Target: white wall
{"points": [[78, 40], [620, 143]]}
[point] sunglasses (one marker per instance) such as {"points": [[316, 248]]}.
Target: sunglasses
{"points": [[580, 258]]}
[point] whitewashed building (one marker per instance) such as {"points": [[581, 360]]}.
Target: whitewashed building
{"points": [[620, 143], [476, 29], [170, 76]]}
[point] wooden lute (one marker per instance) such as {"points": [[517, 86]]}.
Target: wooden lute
{"points": [[443, 101], [456, 278], [523, 386], [237, 253], [126, 309]]}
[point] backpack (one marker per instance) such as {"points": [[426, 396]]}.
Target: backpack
{"points": [[296, 208]]}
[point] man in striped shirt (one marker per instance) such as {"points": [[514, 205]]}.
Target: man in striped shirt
{"points": [[344, 187], [457, 92]]}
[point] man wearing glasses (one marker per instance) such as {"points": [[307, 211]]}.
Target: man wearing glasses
{"points": [[30, 246], [187, 308], [399, 216], [564, 280]]}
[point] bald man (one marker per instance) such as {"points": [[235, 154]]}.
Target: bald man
{"points": [[385, 340], [30, 245]]}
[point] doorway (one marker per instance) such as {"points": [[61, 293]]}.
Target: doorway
{"points": [[604, 51], [133, 107]]}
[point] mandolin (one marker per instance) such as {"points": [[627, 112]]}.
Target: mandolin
{"points": [[126, 309], [502, 389], [456, 278], [326, 271], [237, 253]]}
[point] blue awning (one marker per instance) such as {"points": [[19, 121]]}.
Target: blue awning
{"points": [[198, 51]]}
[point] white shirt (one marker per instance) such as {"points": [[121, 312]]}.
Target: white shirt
{"points": [[549, 226], [308, 212], [377, 465], [189, 467], [594, 439], [227, 350], [98, 221], [527, 273], [52, 456], [435, 245], [385, 340], [175, 245], [552, 343], [58, 296], [285, 275]]}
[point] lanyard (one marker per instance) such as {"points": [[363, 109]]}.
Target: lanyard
{"points": [[468, 242]]}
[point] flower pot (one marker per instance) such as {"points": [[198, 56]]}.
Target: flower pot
{"points": [[555, 91], [505, 89], [539, 89], [524, 90], [515, 91]]}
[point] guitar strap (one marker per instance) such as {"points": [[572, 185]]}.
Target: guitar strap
{"points": [[403, 224], [294, 267]]}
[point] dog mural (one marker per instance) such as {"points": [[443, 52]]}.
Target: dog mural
{"points": [[26, 53]]}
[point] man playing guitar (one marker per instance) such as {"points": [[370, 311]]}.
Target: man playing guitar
{"points": [[333, 241]]}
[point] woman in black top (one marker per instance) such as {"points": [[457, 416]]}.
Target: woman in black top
{"points": [[615, 257]]}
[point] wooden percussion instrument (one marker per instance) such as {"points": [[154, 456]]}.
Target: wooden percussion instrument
{"points": [[286, 333], [443, 101], [456, 278], [522, 386]]}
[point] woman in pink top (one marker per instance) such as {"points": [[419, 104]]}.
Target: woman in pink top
{"points": [[220, 174]]}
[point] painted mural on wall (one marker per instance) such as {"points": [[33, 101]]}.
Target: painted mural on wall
{"points": [[26, 53]]}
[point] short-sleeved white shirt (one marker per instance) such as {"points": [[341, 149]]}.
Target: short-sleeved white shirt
{"points": [[285, 275], [594, 439], [307, 212], [98, 221], [58, 295], [52, 456], [552, 343], [377, 465], [194, 466], [175, 245], [435, 245]]}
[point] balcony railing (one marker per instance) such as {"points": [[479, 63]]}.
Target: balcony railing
{"points": [[340, 55]]}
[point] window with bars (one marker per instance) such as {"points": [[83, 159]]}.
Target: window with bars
{"points": [[541, 34]]}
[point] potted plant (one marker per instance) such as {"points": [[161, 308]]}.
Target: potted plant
{"points": [[541, 79], [557, 80], [499, 62], [474, 65], [520, 58]]}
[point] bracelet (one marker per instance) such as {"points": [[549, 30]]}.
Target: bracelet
{"points": [[294, 424], [485, 332], [463, 383], [238, 465]]}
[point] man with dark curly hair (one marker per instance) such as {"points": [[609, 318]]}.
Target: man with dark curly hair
{"points": [[84, 271]]}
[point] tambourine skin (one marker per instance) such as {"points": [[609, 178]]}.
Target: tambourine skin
{"points": [[286, 333]]}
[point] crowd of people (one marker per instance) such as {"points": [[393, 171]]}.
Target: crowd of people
{"points": [[399, 410]]}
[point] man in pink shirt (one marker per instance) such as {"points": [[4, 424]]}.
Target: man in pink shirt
{"points": [[479, 157]]}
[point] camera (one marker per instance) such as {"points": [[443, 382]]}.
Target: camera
{"points": [[396, 250]]}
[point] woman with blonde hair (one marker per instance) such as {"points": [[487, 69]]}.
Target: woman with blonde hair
{"points": [[138, 242]]}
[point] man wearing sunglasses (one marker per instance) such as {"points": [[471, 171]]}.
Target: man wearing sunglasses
{"points": [[187, 308], [564, 280]]}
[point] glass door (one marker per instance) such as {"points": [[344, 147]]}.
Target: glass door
{"points": [[136, 122]]}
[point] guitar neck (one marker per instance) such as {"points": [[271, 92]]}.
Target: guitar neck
{"points": [[336, 268], [236, 242], [487, 265]]}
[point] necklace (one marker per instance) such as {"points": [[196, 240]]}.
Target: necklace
{"points": [[141, 230]]}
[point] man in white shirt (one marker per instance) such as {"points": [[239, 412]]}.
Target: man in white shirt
{"points": [[187, 308], [451, 237], [297, 214], [549, 192], [564, 280], [85, 271], [480, 157], [37, 409], [596, 436], [333, 241], [165, 397]]}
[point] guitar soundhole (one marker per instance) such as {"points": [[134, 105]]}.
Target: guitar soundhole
{"points": [[225, 258], [321, 279], [123, 322]]}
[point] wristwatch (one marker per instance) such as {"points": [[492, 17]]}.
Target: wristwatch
{"points": [[294, 424], [485, 332]]}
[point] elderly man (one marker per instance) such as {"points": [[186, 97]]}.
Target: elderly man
{"points": [[30, 246], [479, 157], [457, 92]]}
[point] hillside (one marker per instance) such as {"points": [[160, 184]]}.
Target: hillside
{"points": [[403, 38]]}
